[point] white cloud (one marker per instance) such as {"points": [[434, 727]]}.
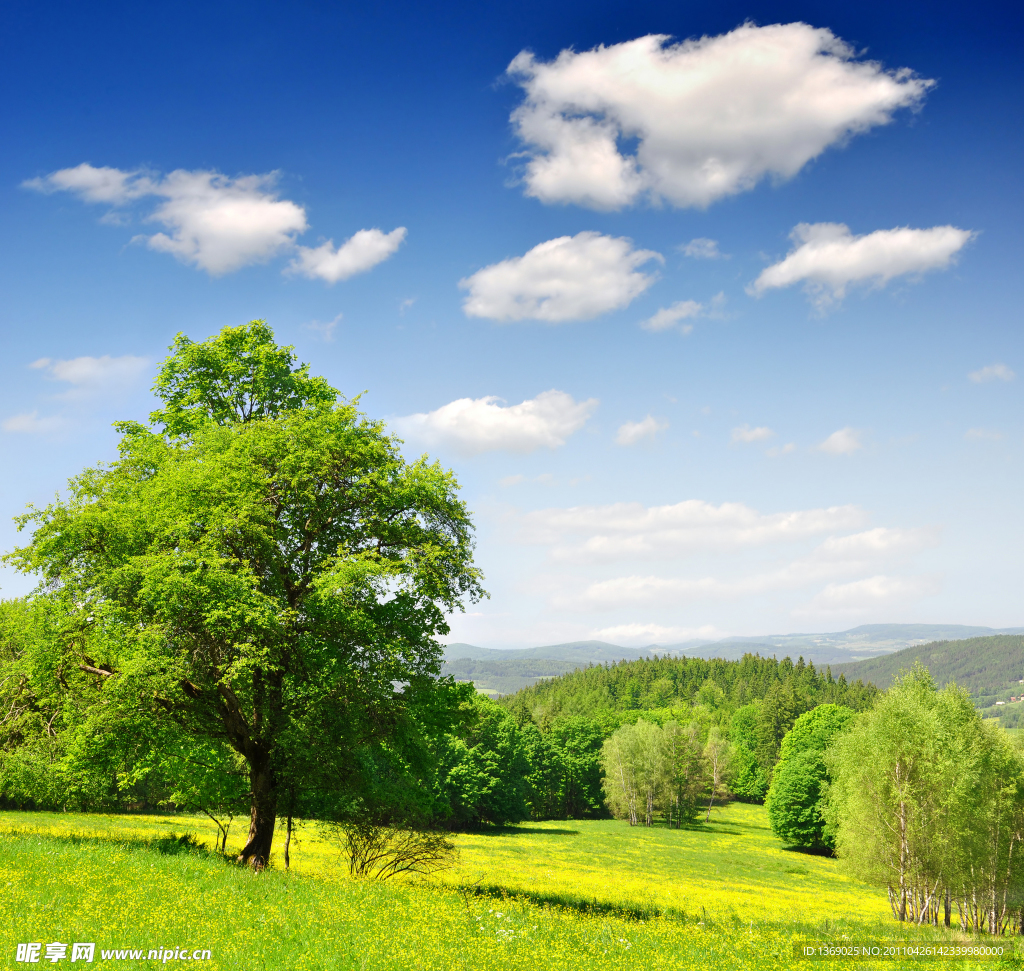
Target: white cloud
{"points": [[746, 434], [31, 424], [668, 317], [568, 278], [482, 424], [828, 258], [95, 184], [631, 432], [702, 248], [89, 376], [362, 252], [877, 542], [983, 435], [786, 449], [325, 329], [837, 556], [643, 634], [544, 479], [875, 591], [710, 117], [221, 224], [992, 372], [845, 441], [630, 529]]}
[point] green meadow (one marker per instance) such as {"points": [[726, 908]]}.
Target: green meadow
{"points": [[560, 895]]}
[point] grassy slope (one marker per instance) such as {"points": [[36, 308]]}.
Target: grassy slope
{"points": [[725, 896]]}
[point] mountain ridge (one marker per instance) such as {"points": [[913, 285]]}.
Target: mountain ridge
{"points": [[506, 670]]}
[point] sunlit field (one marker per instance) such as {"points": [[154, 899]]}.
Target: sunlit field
{"points": [[545, 895]]}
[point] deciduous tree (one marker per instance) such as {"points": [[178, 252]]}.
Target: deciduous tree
{"points": [[261, 571]]}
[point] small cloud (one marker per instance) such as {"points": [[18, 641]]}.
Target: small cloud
{"points": [[669, 317], [631, 432], [827, 258], [983, 435], [703, 249], [325, 330], [89, 376], [846, 441], [482, 424], [992, 372], [31, 424], [644, 634], [545, 479], [405, 305], [774, 453], [569, 278], [362, 252], [745, 434], [872, 592]]}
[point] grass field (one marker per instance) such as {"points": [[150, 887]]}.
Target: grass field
{"points": [[580, 895]]}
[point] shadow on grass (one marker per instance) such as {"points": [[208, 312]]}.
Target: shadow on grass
{"points": [[823, 851], [521, 831], [571, 902], [170, 844]]}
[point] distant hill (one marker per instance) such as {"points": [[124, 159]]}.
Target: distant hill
{"points": [[991, 668], [504, 671]]}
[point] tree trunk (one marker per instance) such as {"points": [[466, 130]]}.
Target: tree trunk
{"points": [[288, 835], [945, 908], [256, 852]]}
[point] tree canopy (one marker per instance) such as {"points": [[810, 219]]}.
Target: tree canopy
{"points": [[796, 799], [257, 586]]}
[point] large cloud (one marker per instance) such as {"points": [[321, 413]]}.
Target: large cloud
{"points": [[711, 117], [828, 258], [568, 278], [473, 425], [220, 224], [629, 529]]}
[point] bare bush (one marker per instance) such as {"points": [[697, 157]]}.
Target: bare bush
{"points": [[379, 852]]}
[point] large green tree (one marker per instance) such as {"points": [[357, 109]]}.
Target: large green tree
{"points": [[259, 570]]}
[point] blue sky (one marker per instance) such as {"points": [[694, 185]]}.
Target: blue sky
{"points": [[713, 308]]}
